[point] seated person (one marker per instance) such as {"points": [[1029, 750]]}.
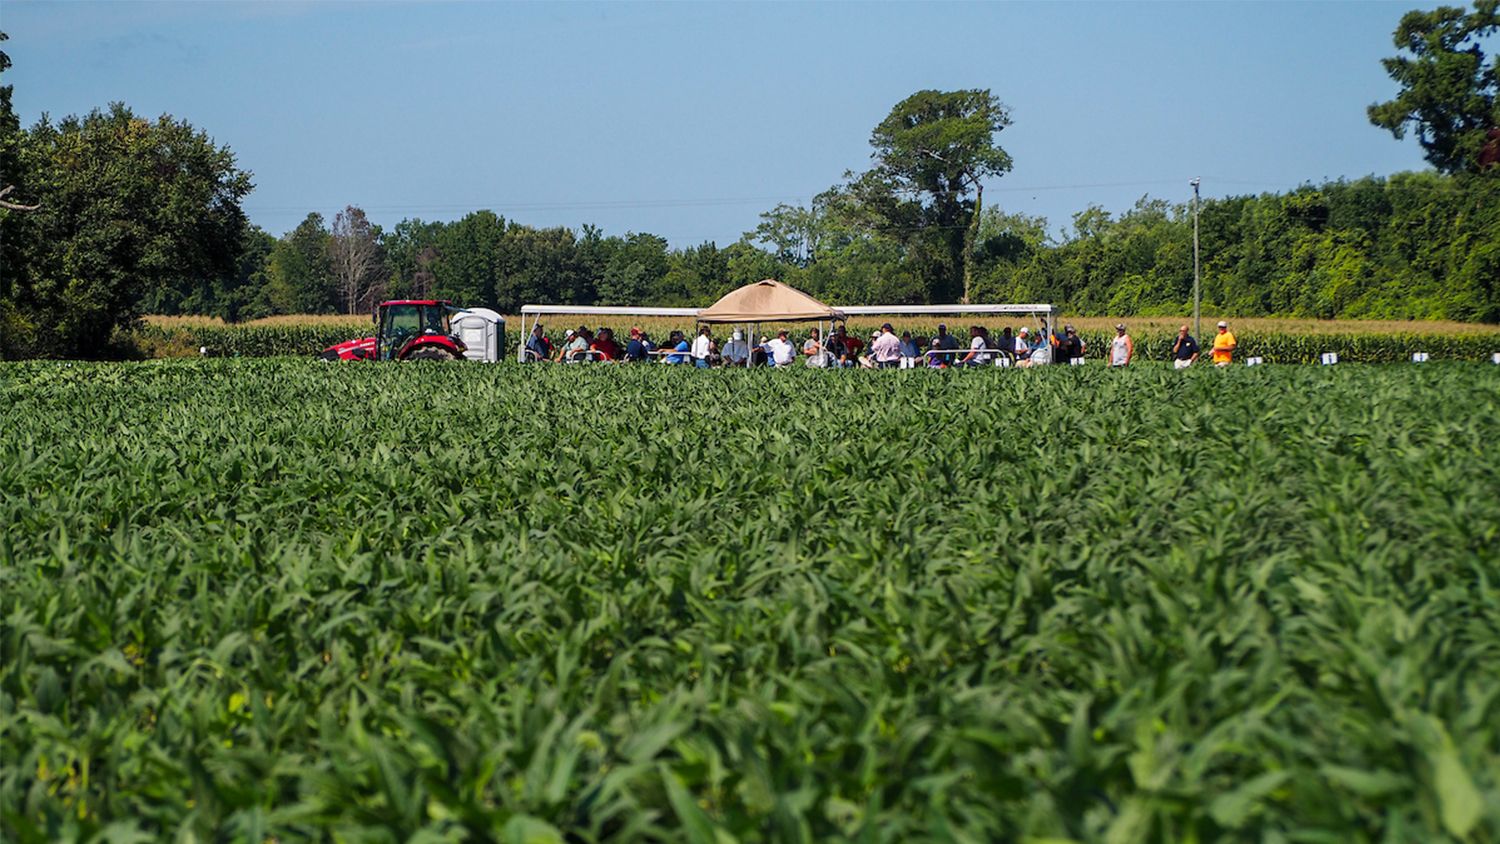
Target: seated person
{"points": [[679, 343], [575, 348], [910, 351], [781, 350], [635, 350], [606, 346], [538, 347], [849, 347], [736, 351], [978, 345], [937, 361]]}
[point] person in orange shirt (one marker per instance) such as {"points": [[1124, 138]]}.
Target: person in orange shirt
{"points": [[1224, 346]]}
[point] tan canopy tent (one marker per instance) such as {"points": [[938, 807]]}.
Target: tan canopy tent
{"points": [[768, 301]]}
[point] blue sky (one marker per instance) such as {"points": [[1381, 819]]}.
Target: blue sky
{"points": [[688, 120]]}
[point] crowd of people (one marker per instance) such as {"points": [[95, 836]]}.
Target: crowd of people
{"points": [[883, 350]]}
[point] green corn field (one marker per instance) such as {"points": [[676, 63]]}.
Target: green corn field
{"points": [[284, 600]]}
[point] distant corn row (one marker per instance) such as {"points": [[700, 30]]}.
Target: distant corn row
{"points": [[260, 341], [1308, 348], [178, 340]]}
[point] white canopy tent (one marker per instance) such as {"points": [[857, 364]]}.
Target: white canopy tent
{"points": [[1045, 314]]}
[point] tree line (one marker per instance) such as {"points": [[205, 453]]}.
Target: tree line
{"points": [[109, 216], [1411, 246]]}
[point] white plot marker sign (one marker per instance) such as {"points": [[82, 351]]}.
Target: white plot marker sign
{"points": [[1330, 358], [1418, 357]]}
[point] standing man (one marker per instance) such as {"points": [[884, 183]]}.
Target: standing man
{"points": [[1122, 348], [1224, 345], [701, 347], [886, 348], [1185, 350], [1068, 346]]}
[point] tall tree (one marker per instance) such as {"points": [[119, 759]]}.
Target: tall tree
{"points": [[469, 250], [354, 253], [1448, 93], [299, 274], [411, 254], [932, 152], [127, 206], [10, 131]]}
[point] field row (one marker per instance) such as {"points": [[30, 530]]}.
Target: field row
{"points": [[256, 600]]}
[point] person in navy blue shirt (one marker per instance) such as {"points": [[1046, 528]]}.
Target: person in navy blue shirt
{"points": [[1185, 350], [635, 350]]}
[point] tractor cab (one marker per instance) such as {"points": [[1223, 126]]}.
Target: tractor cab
{"points": [[405, 326]]}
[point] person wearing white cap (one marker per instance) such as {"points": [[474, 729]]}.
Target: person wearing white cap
{"points": [[575, 348], [736, 351], [1224, 345], [1122, 348], [1023, 347]]}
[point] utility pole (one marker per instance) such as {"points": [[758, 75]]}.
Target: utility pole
{"points": [[1197, 322]]}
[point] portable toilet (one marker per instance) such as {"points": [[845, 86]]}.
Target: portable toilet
{"points": [[482, 332]]}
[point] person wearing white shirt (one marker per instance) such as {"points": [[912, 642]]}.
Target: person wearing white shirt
{"points": [[701, 345], [736, 351], [781, 349], [1122, 348], [886, 349], [978, 344]]}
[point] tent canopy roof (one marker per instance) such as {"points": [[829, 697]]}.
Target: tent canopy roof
{"points": [[767, 301]]}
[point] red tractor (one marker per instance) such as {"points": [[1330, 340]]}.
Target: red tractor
{"points": [[405, 329]]}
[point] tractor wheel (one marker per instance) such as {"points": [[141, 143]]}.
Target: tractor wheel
{"points": [[430, 353]]}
